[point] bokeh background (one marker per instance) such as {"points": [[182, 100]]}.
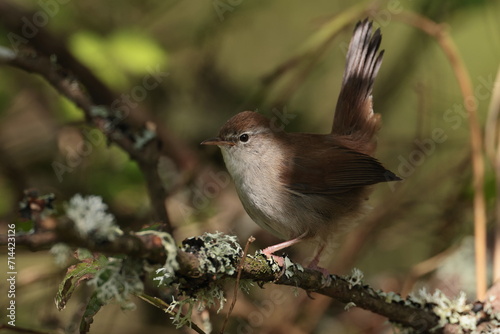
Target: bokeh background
{"points": [[217, 58]]}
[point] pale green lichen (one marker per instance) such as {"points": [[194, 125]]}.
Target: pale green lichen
{"points": [[140, 140], [180, 319], [217, 253], [100, 111], [204, 298], [489, 309], [326, 280], [455, 311], [356, 278], [165, 274], [117, 281], [390, 297], [451, 311], [246, 285], [448, 310], [91, 218], [275, 268], [274, 265], [291, 268], [62, 254], [349, 305]]}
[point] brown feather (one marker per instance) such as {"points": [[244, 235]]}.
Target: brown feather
{"points": [[342, 168], [354, 117]]}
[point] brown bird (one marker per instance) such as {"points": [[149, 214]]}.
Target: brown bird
{"points": [[311, 186]]}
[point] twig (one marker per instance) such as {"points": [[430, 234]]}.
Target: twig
{"points": [[146, 246], [491, 134], [463, 78], [237, 283], [492, 144], [49, 44], [123, 135]]}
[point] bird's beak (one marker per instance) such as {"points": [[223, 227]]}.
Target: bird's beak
{"points": [[217, 141]]}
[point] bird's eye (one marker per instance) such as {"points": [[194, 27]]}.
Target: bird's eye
{"points": [[244, 138]]}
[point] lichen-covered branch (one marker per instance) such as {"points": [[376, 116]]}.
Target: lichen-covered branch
{"points": [[139, 140], [207, 259], [349, 290]]}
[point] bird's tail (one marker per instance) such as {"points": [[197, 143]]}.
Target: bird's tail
{"points": [[354, 119]]}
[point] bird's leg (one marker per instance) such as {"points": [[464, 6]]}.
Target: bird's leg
{"points": [[315, 261], [272, 249], [314, 265]]}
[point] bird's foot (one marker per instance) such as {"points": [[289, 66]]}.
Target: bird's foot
{"points": [[327, 278], [280, 261], [268, 252]]}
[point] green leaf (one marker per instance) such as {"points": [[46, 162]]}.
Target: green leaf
{"points": [[135, 51], [92, 50], [76, 274], [83, 254], [93, 306], [118, 54]]}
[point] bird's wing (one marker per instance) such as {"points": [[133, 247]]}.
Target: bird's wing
{"points": [[342, 169]]}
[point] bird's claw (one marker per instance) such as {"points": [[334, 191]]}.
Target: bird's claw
{"points": [[327, 278]]}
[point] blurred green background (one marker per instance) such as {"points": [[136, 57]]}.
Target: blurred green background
{"points": [[218, 58]]}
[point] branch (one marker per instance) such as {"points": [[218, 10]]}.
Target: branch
{"points": [[421, 313], [138, 140], [47, 44]]}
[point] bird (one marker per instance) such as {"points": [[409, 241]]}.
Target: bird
{"points": [[305, 186]]}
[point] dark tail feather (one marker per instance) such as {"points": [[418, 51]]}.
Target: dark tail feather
{"points": [[354, 117]]}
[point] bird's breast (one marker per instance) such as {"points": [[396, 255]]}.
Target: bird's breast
{"points": [[258, 183]]}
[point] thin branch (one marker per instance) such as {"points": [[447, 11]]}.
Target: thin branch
{"points": [[463, 78], [49, 44], [139, 246], [492, 143]]}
